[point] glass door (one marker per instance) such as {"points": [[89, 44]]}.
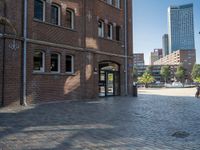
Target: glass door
{"points": [[102, 84], [109, 83]]}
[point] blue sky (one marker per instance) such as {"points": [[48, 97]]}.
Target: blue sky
{"points": [[150, 23]]}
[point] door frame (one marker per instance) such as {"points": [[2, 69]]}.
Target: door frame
{"points": [[115, 72]]}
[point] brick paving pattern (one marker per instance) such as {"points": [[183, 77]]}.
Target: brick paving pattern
{"points": [[148, 122]]}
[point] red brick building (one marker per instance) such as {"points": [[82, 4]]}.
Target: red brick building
{"points": [[66, 50]]}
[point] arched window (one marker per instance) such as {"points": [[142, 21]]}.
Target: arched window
{"points": [[55, 62], [39, 10], [70, 18], [55, 14], [38, 61], [100, 28]]}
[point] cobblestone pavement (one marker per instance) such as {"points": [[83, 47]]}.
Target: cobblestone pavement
{"points": [[148, 122]]}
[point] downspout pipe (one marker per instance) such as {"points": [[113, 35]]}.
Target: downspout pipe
{"points": [[3, 69], [24, 98], [125, 47], [3, 58]]}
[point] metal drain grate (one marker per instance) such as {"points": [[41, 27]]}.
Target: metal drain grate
{"points": [[180, 134]]}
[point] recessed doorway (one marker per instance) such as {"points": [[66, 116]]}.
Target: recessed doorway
{"points": [[109, 79]]}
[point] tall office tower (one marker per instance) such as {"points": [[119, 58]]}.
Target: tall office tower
{"points": [[165, 44], [181, 27]]}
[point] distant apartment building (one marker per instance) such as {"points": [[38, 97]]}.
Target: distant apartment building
{"points": [[185, 57], [155, 71], [165, 44], [155, 55], [181, 27], [138, 59]]}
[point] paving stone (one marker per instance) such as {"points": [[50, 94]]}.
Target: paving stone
{"points": [[119, 123]]}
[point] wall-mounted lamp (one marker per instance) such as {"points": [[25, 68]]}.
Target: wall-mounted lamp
{"points": [[95, 70]]}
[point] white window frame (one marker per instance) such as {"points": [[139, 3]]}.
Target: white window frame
{"points": [[118, 3], [72, 16], [72, 64], [59, 13], [101, 30], [44, 10], [42, 69], [111, 31], [58, 63]]}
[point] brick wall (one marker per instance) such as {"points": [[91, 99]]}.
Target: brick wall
{"points": [[86, 47]]}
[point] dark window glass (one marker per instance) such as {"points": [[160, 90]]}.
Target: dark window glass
{"points": [[118, 30], [54, 15], [38, 9], [54, 62], [69, 63], [69, 15], [110, 31], [38, 61]]}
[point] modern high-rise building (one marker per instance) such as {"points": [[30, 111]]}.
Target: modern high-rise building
{"points": [[156, 55], [165, 44], [181, 27]]}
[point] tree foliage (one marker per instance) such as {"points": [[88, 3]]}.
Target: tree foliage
{"points": [[196, 71], [146, 78], [197, 79], [135, 74], [180, 73], [165, 72], [149, 69]]}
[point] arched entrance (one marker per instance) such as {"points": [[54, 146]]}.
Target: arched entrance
{"points": [[109, 79]]}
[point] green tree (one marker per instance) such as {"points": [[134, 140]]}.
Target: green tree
{"points": [[197, 79], [135, 74], [165, 72], [146, 78], [180, 73], [149, 69], [195, 71]]}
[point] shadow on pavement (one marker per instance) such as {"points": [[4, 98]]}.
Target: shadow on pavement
{"points": [[145, 122]]}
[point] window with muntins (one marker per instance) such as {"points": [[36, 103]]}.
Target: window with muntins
{"points": [[38, 61], [100, 28], [69, 64], [55, 14], [70, 18], [55, 63], [39, 10]]}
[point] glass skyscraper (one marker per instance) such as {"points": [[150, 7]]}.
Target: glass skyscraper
{"points": [[181, 27], [165, 44]]}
